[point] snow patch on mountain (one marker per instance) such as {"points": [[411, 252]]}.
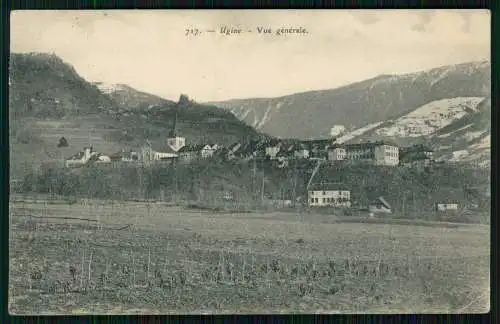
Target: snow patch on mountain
{"points": [[455, 131], [108, 88], [358, 132], [484, 143], [265, 118], [430, 117], [244, 115], [336, 130], [473, 135]]}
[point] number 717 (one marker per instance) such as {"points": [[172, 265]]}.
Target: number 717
{"points": [[192, 31]]}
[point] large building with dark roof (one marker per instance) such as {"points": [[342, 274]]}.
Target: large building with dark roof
{"points": [[378, 153]]}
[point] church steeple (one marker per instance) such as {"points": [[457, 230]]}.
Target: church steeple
{"points": [[173, 131], [175, 141]]}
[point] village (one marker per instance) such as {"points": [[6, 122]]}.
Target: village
{"points": [[282, 153]]}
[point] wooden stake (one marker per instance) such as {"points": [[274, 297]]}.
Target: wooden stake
{"points": [[106, 276], [149, 261], [90, 264], [81, 275], [133, 271]]}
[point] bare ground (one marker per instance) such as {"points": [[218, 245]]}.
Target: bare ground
{"points": [[152, 259]]}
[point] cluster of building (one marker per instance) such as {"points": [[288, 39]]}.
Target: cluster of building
{"points": [[281, 151], [338, 196], [277, 150], [376, 153]]}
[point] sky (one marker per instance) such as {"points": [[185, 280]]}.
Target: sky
{"points": [[150, 51]]}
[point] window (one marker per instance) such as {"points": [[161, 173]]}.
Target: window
{"points": [[316, 200], [312, 200]]}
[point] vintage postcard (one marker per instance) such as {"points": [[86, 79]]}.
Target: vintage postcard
{"points": [[230, 161]]}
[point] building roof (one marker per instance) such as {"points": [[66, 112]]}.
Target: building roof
{"points": [[382, 201], [416, 148], [369, 145], [163, 148], [328, 186], [233, 148], [76, 156], [319, 141], [248, 148], [285, 153], [317, 144], [124, 153], [273, 142], [192, 148], [413, 156], [95, 157]]}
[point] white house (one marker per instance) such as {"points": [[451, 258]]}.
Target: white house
{"points": [[322, 196], [81, 158], [272, 149], [446, 206], [337, 154], [148, 154], [190, 152], [208, 150]]}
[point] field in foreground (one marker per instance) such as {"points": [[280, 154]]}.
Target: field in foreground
{"points": [[150, 259]]}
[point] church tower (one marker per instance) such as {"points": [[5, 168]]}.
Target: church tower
{"points": [[174, 141]]}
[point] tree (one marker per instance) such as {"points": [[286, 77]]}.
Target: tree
{"points": [[63, 142], [184, 99]]}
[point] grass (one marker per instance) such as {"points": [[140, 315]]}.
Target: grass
{"points": [[173, 260], [75, 130]]}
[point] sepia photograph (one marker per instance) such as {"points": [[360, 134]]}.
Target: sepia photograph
{"points": [[249, 162]]}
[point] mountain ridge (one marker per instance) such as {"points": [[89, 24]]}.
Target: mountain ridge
{"points": [[387, 96], [48, 100], [483, 63], [44, 87], [434, 123], [130, 98]]}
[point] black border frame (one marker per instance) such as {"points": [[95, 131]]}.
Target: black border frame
{"points": [[7, 6]]}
